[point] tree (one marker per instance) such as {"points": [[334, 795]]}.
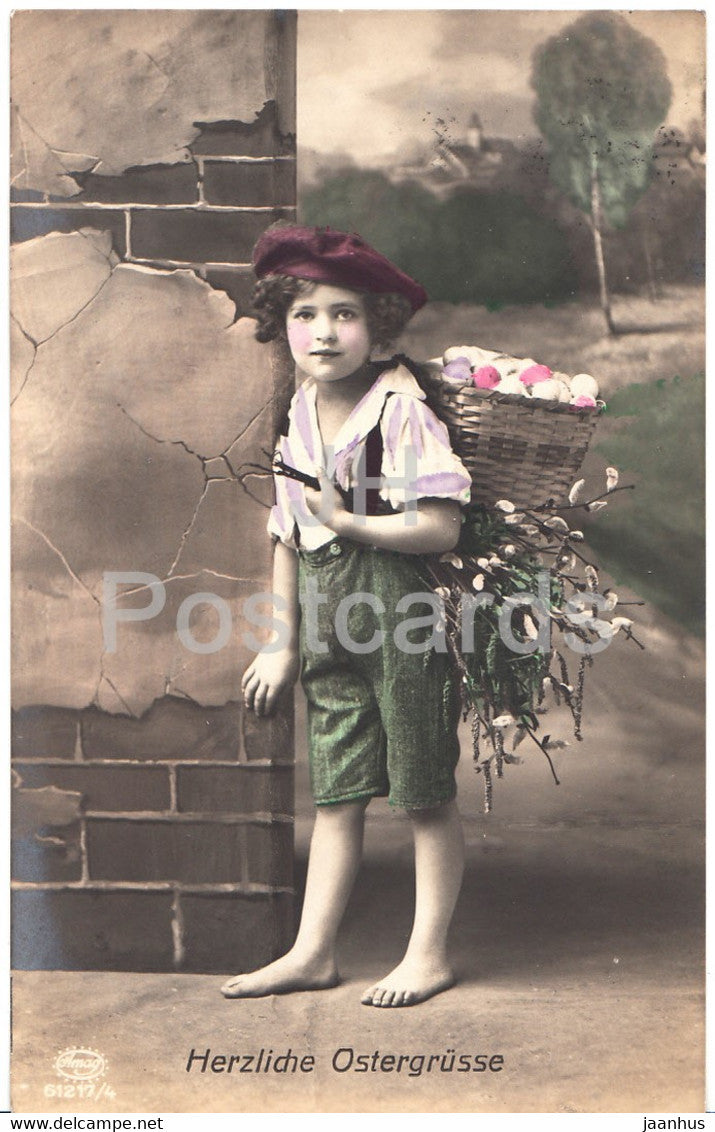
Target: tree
{"points": [[602, 90], [493, 248]]}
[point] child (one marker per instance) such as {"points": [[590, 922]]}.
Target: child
{"points": [[382, 702]]}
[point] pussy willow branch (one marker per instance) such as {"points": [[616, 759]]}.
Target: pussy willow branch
{"points": [[586, 502], [631, 637], [543, 750]]}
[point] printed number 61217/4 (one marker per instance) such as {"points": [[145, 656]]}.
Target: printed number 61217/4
{"points": [[81, 1090]]}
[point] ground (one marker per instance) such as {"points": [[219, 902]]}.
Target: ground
{"points": [[579, 956]]}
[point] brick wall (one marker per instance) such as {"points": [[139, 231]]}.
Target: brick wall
{"points": [[157, 838], [164, 841]]}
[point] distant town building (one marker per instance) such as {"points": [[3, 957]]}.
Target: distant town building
{"points": [[474, 132], [474, 162]]}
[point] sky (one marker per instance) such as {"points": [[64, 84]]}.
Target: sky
{"points": [[370, 80]]}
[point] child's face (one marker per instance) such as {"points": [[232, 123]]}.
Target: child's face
{"points": [[328, 332]]}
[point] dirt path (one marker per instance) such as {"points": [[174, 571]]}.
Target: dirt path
{"points": [[665, 338]]}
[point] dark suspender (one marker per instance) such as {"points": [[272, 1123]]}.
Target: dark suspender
{"points": [[373, 467], [372, 463]]}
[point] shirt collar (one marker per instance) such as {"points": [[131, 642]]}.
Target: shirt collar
{"points": [[399, 380], [368, 411]]}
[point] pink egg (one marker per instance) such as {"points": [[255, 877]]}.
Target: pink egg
{"points": [[583, 401], [532, 375], [486, 377]]}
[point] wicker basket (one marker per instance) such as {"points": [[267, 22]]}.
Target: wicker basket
{"points": [[516, 448]]}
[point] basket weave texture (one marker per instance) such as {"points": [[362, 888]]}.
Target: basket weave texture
{"points": [[516, 448]]}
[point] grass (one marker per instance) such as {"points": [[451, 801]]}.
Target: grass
{"points": [[655, 435]]}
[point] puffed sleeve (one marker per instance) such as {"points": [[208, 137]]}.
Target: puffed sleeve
{"points": [[418, 461], [281, 521]]}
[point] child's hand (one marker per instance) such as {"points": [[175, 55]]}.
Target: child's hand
{"points": [[266, 677], [327, 504]]}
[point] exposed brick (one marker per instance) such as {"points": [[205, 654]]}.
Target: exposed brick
{"points": [[143, 184], [105, 787], [253, 184], [269, 854], [198, 237], [44, 733], [235, 933], [50, 855], [241, 789], [28, 221], [189, 852], [238, 285], [261, 138], [271, 737], [25, 195], [172, 728], [75, 930]]}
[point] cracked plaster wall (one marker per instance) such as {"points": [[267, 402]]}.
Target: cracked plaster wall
{"points": [[105, 90], [137, 394], [138, 402]]}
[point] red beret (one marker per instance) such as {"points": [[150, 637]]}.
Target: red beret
{"points": [[326, 256]]}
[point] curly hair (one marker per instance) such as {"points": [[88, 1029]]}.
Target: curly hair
{"points": [[387, 314]]}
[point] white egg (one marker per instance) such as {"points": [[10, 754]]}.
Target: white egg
{"points": [[583, 383], [511, 385], [476, 355], [524, 363], [481, 357], [455, 352], [564, 392], [506, 365], [546, 390]]}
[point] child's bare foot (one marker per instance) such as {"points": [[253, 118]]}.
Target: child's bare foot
{"points": [[289, 973], [412, 981]]}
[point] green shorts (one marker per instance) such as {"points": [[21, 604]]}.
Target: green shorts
{"points": [[382, 721]]}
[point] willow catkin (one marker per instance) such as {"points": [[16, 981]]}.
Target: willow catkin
{"points": [[499, 752], [476, 735], [578, 705], [563, 669], [458, 661], [562, 591], [544, 675], [487, 786], [448, 691]]}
